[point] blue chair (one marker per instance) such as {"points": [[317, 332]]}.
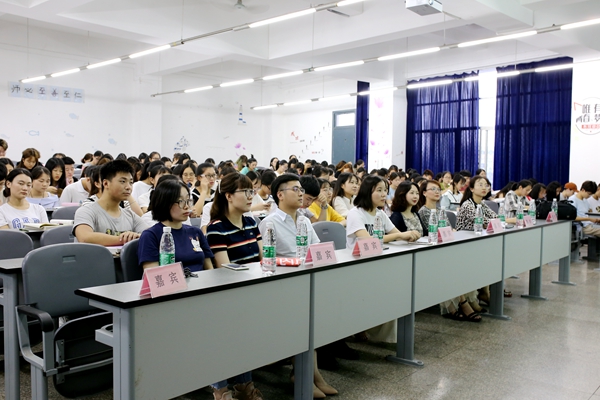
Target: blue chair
{"points": [[452, 218], [15, 244], [129, 262], [78, 364], [61, 234], [65, 212], [329, 231]]}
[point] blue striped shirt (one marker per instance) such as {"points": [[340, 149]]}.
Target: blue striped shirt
{"points": [[241, 244]]}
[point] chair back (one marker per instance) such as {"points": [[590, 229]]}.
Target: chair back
{"points": [[132, 271], [452, 218], [65, 212], [329, 231], [51, 274], [196, 222], [61, 234], [492, 205], [15, 244]]}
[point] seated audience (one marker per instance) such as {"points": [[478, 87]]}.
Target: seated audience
{"points": [[203, 191], [250, 165], [69, 171], [263, 200], [445, 180], [3, 147], [78, 192], [17, 211], [187, 173], [3, 175], [155, 174], [594, 201], [538, 192], [553, 191], [104, 222], [515, 196], [394, 180], [428, 199], [171, 205], [29, 159], [321, 204], [580, 201], [40, 181], [96, 190], [344, 192], [273, 164], [404, 211], [144, 184], [58, 177], [569, 189], [282, 166]]}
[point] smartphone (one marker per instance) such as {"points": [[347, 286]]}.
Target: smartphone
{"points": [[235, 267]]}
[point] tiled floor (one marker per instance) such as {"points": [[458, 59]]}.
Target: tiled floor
{"points": [[549, 350]]}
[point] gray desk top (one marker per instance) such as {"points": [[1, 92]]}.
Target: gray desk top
{"points": [[125, 295], [11, 265]]}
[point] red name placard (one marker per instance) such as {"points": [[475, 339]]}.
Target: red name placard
{"points": [[445, 234], [551, 217], [321, 254], [528, 221], [494, 226], [163, 280], [367, 247]]}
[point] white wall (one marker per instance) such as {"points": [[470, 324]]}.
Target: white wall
{"points": [[585, 146], [118, 114]]}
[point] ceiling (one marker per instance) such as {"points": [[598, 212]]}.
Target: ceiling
{"points": [[374, 28]]}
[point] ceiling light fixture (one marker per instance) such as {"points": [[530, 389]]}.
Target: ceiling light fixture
{"points": [[104, 63], [348, 2], [150, 51], [336, 66], [264, 107], [283, 75], [285, 17], [554, 68], [198, 89], [67, 72], [297, 103], [37, 78], [581, 24], [373, 91], [409, 54], [498, 39], [428, 84], [342, 96], [506, 74], [236, 83]]}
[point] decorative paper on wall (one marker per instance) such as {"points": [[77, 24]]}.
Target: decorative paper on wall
{"points": [[380, 130], [46, 92], [241, 120], [181, 146], [586, 115]]}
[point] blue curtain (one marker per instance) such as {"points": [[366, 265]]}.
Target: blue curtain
{"points": [[362, 123], [442, 128], [533, 124]]}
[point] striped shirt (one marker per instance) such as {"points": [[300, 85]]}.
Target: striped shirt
{"points": [[241, 244]]}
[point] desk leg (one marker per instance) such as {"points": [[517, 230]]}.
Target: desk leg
{"points": [[405, 342], [497, 302], [564, 271], [304, 363], [535, 285], [9, 297]]}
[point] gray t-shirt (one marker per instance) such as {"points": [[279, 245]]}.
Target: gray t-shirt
{"points": [[101, 222]]}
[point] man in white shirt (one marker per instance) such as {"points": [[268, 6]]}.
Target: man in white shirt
{"points": [[579, 200], [287, 193], [594, 201], [79, 191]]}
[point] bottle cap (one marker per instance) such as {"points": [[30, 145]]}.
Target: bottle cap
{"points": [[166, 229]]}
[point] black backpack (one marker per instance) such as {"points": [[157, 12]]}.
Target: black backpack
{"points": [[566, 210]]}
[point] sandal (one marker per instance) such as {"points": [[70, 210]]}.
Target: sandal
{"points": [[507, 293], [473, 317]]}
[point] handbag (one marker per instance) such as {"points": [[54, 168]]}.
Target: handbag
{"points": [[566, 210]]}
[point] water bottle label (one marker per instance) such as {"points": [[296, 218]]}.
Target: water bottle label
{"points": [[433, 228], [378, 234], [268, 251], [166, 258], [501, 218], [479, 220], [519, 216], [441, 224], [532, 213], [301, 240]]}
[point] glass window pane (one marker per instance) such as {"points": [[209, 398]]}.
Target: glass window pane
{"points": [[347, 119]]}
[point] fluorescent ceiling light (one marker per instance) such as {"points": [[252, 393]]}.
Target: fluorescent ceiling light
{"points": [[103, 63], [198, 89], [37, 78], [498, 39], [428, 84], [282, 18], [235, 83], [150, 51], [373, 91], [476, 78], [348, 2], [580, 24], [336, 66], [506, 74], [284, 75], [409, 54], [265, 107], [342, 96], [67, 72], [296, 103], [554, 68]]}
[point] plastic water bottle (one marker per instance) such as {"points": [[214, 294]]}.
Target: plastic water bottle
{"points": [[520, 221], [269, 261], [555, 207], [478, 221], [378, 229], [531, 211], [301, 238], [433, 227], [167, 247], [502, 215], [442, 218]]}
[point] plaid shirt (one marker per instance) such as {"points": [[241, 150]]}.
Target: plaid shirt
{"points": [[511, 202]]}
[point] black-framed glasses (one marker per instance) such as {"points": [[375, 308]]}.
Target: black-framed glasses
{"points": [[182, 203], [434, 190], [209, 176], [247, 192], [296, 189]]}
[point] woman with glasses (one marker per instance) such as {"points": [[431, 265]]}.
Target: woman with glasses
{"points": [[429, 195], [171, 204], [319, 206], [203, 192]]}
